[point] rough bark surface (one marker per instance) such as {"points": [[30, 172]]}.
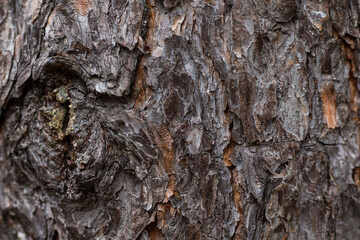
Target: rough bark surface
{"points": [[170, 119]]}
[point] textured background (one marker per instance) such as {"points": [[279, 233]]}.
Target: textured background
{"points": [[170, 119]]}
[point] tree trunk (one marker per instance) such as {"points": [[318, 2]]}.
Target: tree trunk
{"points": [[169, 119]]}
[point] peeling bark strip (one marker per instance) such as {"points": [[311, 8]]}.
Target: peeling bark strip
{"points": [[356, 176], [169, 119], [82, 6], [329, 100]]}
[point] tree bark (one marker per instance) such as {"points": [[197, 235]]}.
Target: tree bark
{"points": [[169, 119]]}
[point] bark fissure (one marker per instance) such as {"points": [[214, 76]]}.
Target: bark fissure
{"points": [[179, 119]]}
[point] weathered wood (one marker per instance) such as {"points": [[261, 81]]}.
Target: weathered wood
{"points": [[169, 119]]}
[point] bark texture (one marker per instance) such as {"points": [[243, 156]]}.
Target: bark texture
{"points": [[170, 119]]}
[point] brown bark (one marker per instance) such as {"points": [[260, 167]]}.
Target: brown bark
{"points": [[169, 119]]}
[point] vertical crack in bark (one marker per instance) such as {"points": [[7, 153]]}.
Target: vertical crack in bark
{"points": [[240, 232], [353, 87], [147, 32], [151, 24], [154, 232], [44, 23], [354, 92], [139, 85]]}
